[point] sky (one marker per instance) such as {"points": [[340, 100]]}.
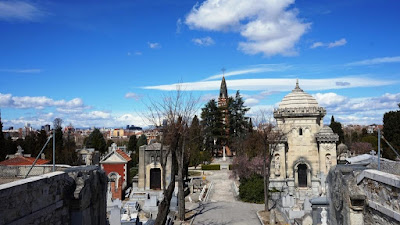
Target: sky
{"points": [[99, 63]]}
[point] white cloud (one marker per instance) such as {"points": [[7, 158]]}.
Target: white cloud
{"points": [[178, 26], [329, 99], [337, 43], [38, 102], [19, 11], [138, 53], [277, 84], [206, 41], [154, 45], [251, 102], [269, 26], [133, 96], [358, 110], [21, 70], [254, 69], [375, 61], [317, 44]]}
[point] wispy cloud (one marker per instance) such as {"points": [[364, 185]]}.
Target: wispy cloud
{"points": [[337, 43], [374, 61], [19, 11], [269, 27], [254, 69], [277, 84], [154, 45], [21, 70], [178, 26], [205, 41], [133, 96]]}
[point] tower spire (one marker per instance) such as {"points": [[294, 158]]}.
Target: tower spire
{"points": [[223, 91]]}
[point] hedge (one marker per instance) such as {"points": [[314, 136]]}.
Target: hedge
{"points": [[211, 167], [252, 189]]}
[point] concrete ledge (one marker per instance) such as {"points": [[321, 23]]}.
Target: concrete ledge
{"points": [[259, 217], [29, 180], [386, 178], [378, 207]]}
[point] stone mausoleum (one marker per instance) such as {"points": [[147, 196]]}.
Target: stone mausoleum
{"points": [[150, 170], [304, 155]]}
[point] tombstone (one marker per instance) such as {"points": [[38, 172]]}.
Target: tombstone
{"points": [[307, 220], [115, 215], [307, 204], [287, 201]]}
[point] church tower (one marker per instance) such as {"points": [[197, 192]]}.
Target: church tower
{"points": [[223, 94]]}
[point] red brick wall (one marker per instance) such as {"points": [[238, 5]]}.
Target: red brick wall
{"points": [[120, 169]]}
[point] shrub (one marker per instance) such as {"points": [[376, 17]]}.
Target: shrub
{"points": [[211, 167], [230, 166], [252, 189]]}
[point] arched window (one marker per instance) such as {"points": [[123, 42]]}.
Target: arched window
{"points": [[302, 173], [300, 131]]}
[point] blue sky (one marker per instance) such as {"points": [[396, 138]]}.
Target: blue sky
{"points": [[97, 63]]}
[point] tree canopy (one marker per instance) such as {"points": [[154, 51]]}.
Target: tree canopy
{"points": [[337, 128], [96, 140], [391, 131]]}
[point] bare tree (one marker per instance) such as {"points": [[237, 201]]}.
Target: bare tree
{"points": [[173, 112], [270, 137]]}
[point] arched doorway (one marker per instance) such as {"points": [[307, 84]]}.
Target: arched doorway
{"points": [[155, 178], [302, 173]]}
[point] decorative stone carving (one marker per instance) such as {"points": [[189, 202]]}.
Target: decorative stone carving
{"points": [[277, 165], [328, 162]]}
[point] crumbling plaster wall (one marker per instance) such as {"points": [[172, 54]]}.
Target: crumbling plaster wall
{"points": [[359, 195], [76, 196]]}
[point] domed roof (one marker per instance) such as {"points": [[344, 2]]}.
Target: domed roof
{"points": [[326, 130], [298, 99], [342, 147]]}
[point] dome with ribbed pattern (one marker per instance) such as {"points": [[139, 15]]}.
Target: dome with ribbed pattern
{"points": [[298, 99]]}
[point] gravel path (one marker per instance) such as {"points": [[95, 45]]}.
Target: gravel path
{"points": [[223, 208]]}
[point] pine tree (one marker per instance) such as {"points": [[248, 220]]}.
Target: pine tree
{"points": [[238, 122], [141, 141], [213, 126], [391, 131], [96, 140], [337, 128]]}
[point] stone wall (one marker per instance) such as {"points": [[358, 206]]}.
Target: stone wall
{"points": [[358, 195], [76, 196], [21, 171]]}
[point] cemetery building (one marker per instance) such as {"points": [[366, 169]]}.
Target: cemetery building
{"points": [[150, 170], [115, 164], [305, 153]]}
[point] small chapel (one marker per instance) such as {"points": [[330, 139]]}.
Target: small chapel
{"points": [[303, 157]]}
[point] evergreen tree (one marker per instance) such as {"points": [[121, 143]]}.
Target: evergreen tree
{"points": [[213, 126], [195, 144], [391, 131], [132, 146], [141, 141], [337, 128], [238, 122], [96, 140], [132, 143]]}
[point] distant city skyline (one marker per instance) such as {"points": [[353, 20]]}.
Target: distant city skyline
{"points": [[99, 63]]}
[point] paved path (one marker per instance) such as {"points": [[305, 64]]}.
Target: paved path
{"points": [[223, 208]]}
